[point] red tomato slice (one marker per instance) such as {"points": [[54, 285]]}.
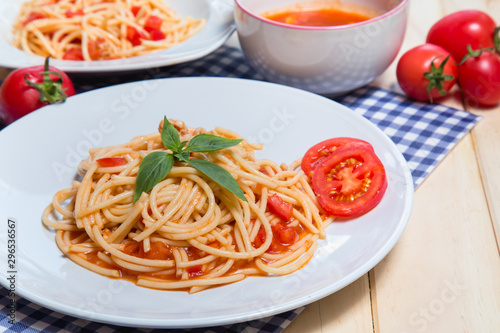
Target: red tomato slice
{"points": [[153, 22], [134, 36], [34, 16], [73, 53], [156, 34], [287, 235], [317, 153], [196, 270], [135, 10], [279, 207], [95, 49], [70, 13], [109, 162], [350, 182]]}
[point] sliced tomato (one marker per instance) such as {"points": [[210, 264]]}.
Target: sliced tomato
{"points": [[279, 207], [135, 10], [350, 182], [134, 36], [73, 53], [109, 162], [196, 270], [34, 16], [70, 13], [286, 235], [95, 49], [317, 153], [156, 34], [153, 22]]}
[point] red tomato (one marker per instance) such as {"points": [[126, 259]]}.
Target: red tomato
{"points": [[156, 34], [467, 27], [158, 250], [95, 48], [196, 270], [479, 78], [108, 162], [426, 73], [279, 207], [135, 10], [70, 13], [350, 182], [153, 22], [134, 36], [27, 89], [73, 53], [287, 235], [34, 16], [322, 150]]}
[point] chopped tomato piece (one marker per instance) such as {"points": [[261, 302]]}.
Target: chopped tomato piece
{"points": [[157, 251], [196, 270], [70, 13], [73, 53], [279, 207], [95, 49], [153, 22], [109, 162], [260, 238], [134, 36], [34, 16], [156, 34], [287, 235], [322, 150], [135, 10], [349, 182]]}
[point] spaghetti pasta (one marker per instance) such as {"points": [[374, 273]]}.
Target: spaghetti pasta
{"points": [[99, 29], [188, 232]]}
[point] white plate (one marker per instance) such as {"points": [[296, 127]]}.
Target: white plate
{"points": [[40, 151], [220, 25]]}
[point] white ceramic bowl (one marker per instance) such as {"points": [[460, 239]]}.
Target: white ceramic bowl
{"points": [[325, 60]]}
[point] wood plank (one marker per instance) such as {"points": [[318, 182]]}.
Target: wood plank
{"points": [[348, 310], [442, 275]]}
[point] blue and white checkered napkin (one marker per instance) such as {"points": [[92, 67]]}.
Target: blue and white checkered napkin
{"points": [[424, 133]]}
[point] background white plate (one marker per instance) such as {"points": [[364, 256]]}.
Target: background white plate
{"points": [[219, 26], [40, 153]]}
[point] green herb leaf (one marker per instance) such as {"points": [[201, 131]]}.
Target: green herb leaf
{"points": [[182, 156], [218, 174], [170, 136], [153, 169], [209, 142]]}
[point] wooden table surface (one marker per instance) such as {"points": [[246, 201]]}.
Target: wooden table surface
{"points": [[443, 275]]}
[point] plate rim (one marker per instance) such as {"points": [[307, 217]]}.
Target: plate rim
{"points": [[225, 320]]}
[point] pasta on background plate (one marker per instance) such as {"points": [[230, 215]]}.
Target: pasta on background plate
{"points": [[187, 233], [100, 29]]}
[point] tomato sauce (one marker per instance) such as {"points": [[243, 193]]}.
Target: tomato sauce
{"points": [[317, 17]]}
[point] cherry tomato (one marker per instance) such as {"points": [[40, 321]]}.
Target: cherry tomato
{"points": [[479, 78], [426, 72], [349, 182], [317, 153], [156, 34], [279, 207], [95, 48], [27, 89], [467, 27], [108, 162], [34, 16], [287, 235]]}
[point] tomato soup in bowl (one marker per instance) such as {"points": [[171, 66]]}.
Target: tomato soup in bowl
{"points": [[325, 46]]}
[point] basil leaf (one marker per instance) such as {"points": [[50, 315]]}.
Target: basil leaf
{"points": [[183, 156], [153, 169], [218, 174], [170, 136], [209, 142]]}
